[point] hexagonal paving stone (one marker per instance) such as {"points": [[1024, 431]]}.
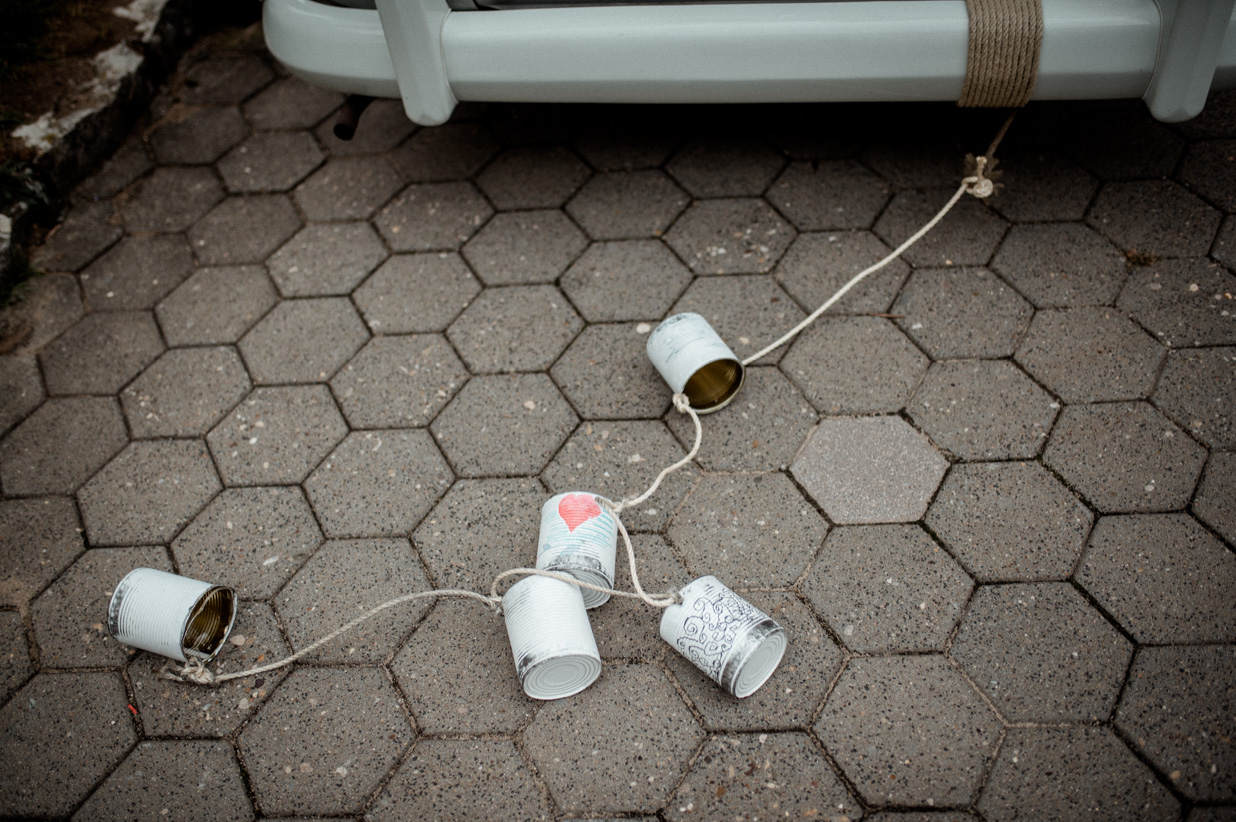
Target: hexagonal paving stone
{"points": [[521, 328], [378, 483], [821, 360], [921, 816], [869, 470], [762, 428], [730, 237], [70, 616], [269, 161], [1207, 168], [277, 435], [344, 579], [625, 628], [524, 247], [454, 151], [324, 741], [618, 206], [1183, 302], [15, 663], [457, 675], [137, 272], [913, 718], [1177, 710], [250, 539], [216, 305], [39, 538], [1124, 456], [887, 588], [627, 280], [480, 529], [61, 445], [917, 158], [725, 167], [1071, 773], [652, 737], [185, 392], [86, 232], [198, 135], [606, 374], [21, 388], [1158, 218], [790, 696], [303, 340], [433, 217], [347, 188], [43, 776], [326, 260], [818, 265], [170, 199], [615, 141], [1010, 522], [184, 774], [290, 103], [148, 492], [184, 709], [619, 460], [244, 229], [756, 776], [398, 382], [415, 293], [129, 162], [818, 196], [1091, 355], [1042, 185], [958, 313], [1215, 502], [1224, 248], [968, 236], [532, 177], [445, 779], [49, 305], [1041, 653], [1198, 389], [983, 409], [748, 312], [1163, 577], [101, 353], [750, 530], [1061, 264], [386, 126], [225, 78]]}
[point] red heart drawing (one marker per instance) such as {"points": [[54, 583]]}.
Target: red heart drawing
{"points": [[576, 509]]}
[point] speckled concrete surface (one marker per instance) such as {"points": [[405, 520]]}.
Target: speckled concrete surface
{"points": [[990, 496]]}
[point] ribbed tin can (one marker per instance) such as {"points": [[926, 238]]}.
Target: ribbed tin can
{"points": [[551, 639], [171, 615], [580, 538], [736, 644], [694, 360]]}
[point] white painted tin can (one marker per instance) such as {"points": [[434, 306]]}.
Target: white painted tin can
{"points": [[171, 615], [579, 537], [551, 639], [736, 644], [694, 360]]}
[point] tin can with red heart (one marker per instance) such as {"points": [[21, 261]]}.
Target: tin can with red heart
{"points": [[579, 537]]}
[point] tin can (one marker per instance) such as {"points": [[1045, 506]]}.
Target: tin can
{"points": [[551, 639], [693, 360], [736, 644], [171, 615], [580, 538]]}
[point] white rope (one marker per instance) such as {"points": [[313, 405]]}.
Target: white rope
{"points": [[684, 406]]}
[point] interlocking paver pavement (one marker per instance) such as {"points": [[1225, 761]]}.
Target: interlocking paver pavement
{"points": [[1041, 653], [1072, 337], [887, 588]]}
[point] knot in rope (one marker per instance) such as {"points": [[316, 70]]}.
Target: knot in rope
{"points": [[194, 670], [681, 403], [977, 184]]}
